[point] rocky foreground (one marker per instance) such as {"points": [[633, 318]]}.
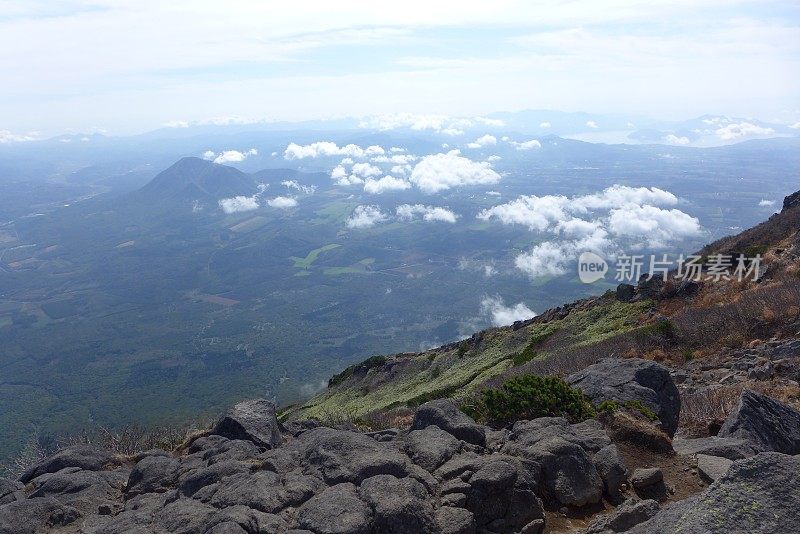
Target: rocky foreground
{"points": [[445, 474]]}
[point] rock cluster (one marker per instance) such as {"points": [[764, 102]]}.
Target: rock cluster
{"points": [[446, 474]]}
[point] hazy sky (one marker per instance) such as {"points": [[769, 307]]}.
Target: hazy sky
{"points": [[128, 66]]}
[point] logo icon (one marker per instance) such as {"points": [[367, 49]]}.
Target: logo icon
{"points": [[591, 267]]}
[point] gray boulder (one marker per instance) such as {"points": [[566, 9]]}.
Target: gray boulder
{"points": [[86, 491], [756, 495], [253, 420], [337, 510], [632, 379], [626, 516], [568, 473], [766, 423], [85, 457], [712, 467], [153, 474], [611, 468], [501, 494], [344, 456], [445, 414], [730, 448], [400, 506], [455, 521], [646, 477], [10, 490], [430, 447], [30, 516]]}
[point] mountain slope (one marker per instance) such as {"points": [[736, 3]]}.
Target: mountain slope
{"points": [[196, 179], [700, 327]]}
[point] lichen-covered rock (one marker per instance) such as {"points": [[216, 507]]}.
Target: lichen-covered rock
{"points": [[730, 448], [756, 495], [568, 472], [764, 422], [632, 379]]}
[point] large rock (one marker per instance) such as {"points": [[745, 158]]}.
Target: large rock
{"points": [[153, 474], [730, 448], [568, 473], [253, 420], [344, 456], [10, 490], [632, 379], [400, 506], [712, 467], [446, 415], [430, 447], [31, 516], [337, 510], [85, 457], [626, 516], [756, 495], [766, 423], [611, 468]]}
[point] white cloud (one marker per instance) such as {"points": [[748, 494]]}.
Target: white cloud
{"points": [[493, 158], [795, 126], [294, 184], [282, 202], [439, 172], [8, 137], [365, 170], [229, 156], [620, 195], [387, 183], [365, 217], [239, 204], [591, 124], [544, 124], [493, 193], [442, 124], [626, 214], [742, 129], [537, 213], [502, 315], [676, 140], [429, 213], [656, 226], [526, 145], [327, 149], [766, 203], [482, 141], [489, 271]]}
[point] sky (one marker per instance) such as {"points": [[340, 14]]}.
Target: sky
{"points": [[123, 67]]}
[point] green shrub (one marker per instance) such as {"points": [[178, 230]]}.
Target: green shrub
{"points": [[607, 406], [528, 397], [436, 372], [463, 347]]}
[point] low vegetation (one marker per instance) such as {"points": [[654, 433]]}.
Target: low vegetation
{"points": [[529, 397]]}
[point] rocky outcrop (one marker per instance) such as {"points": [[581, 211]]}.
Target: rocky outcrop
{"points": [[632, 379], [437, 477], [756, 495], [625, 517], [252, 420], [765, 423]]}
